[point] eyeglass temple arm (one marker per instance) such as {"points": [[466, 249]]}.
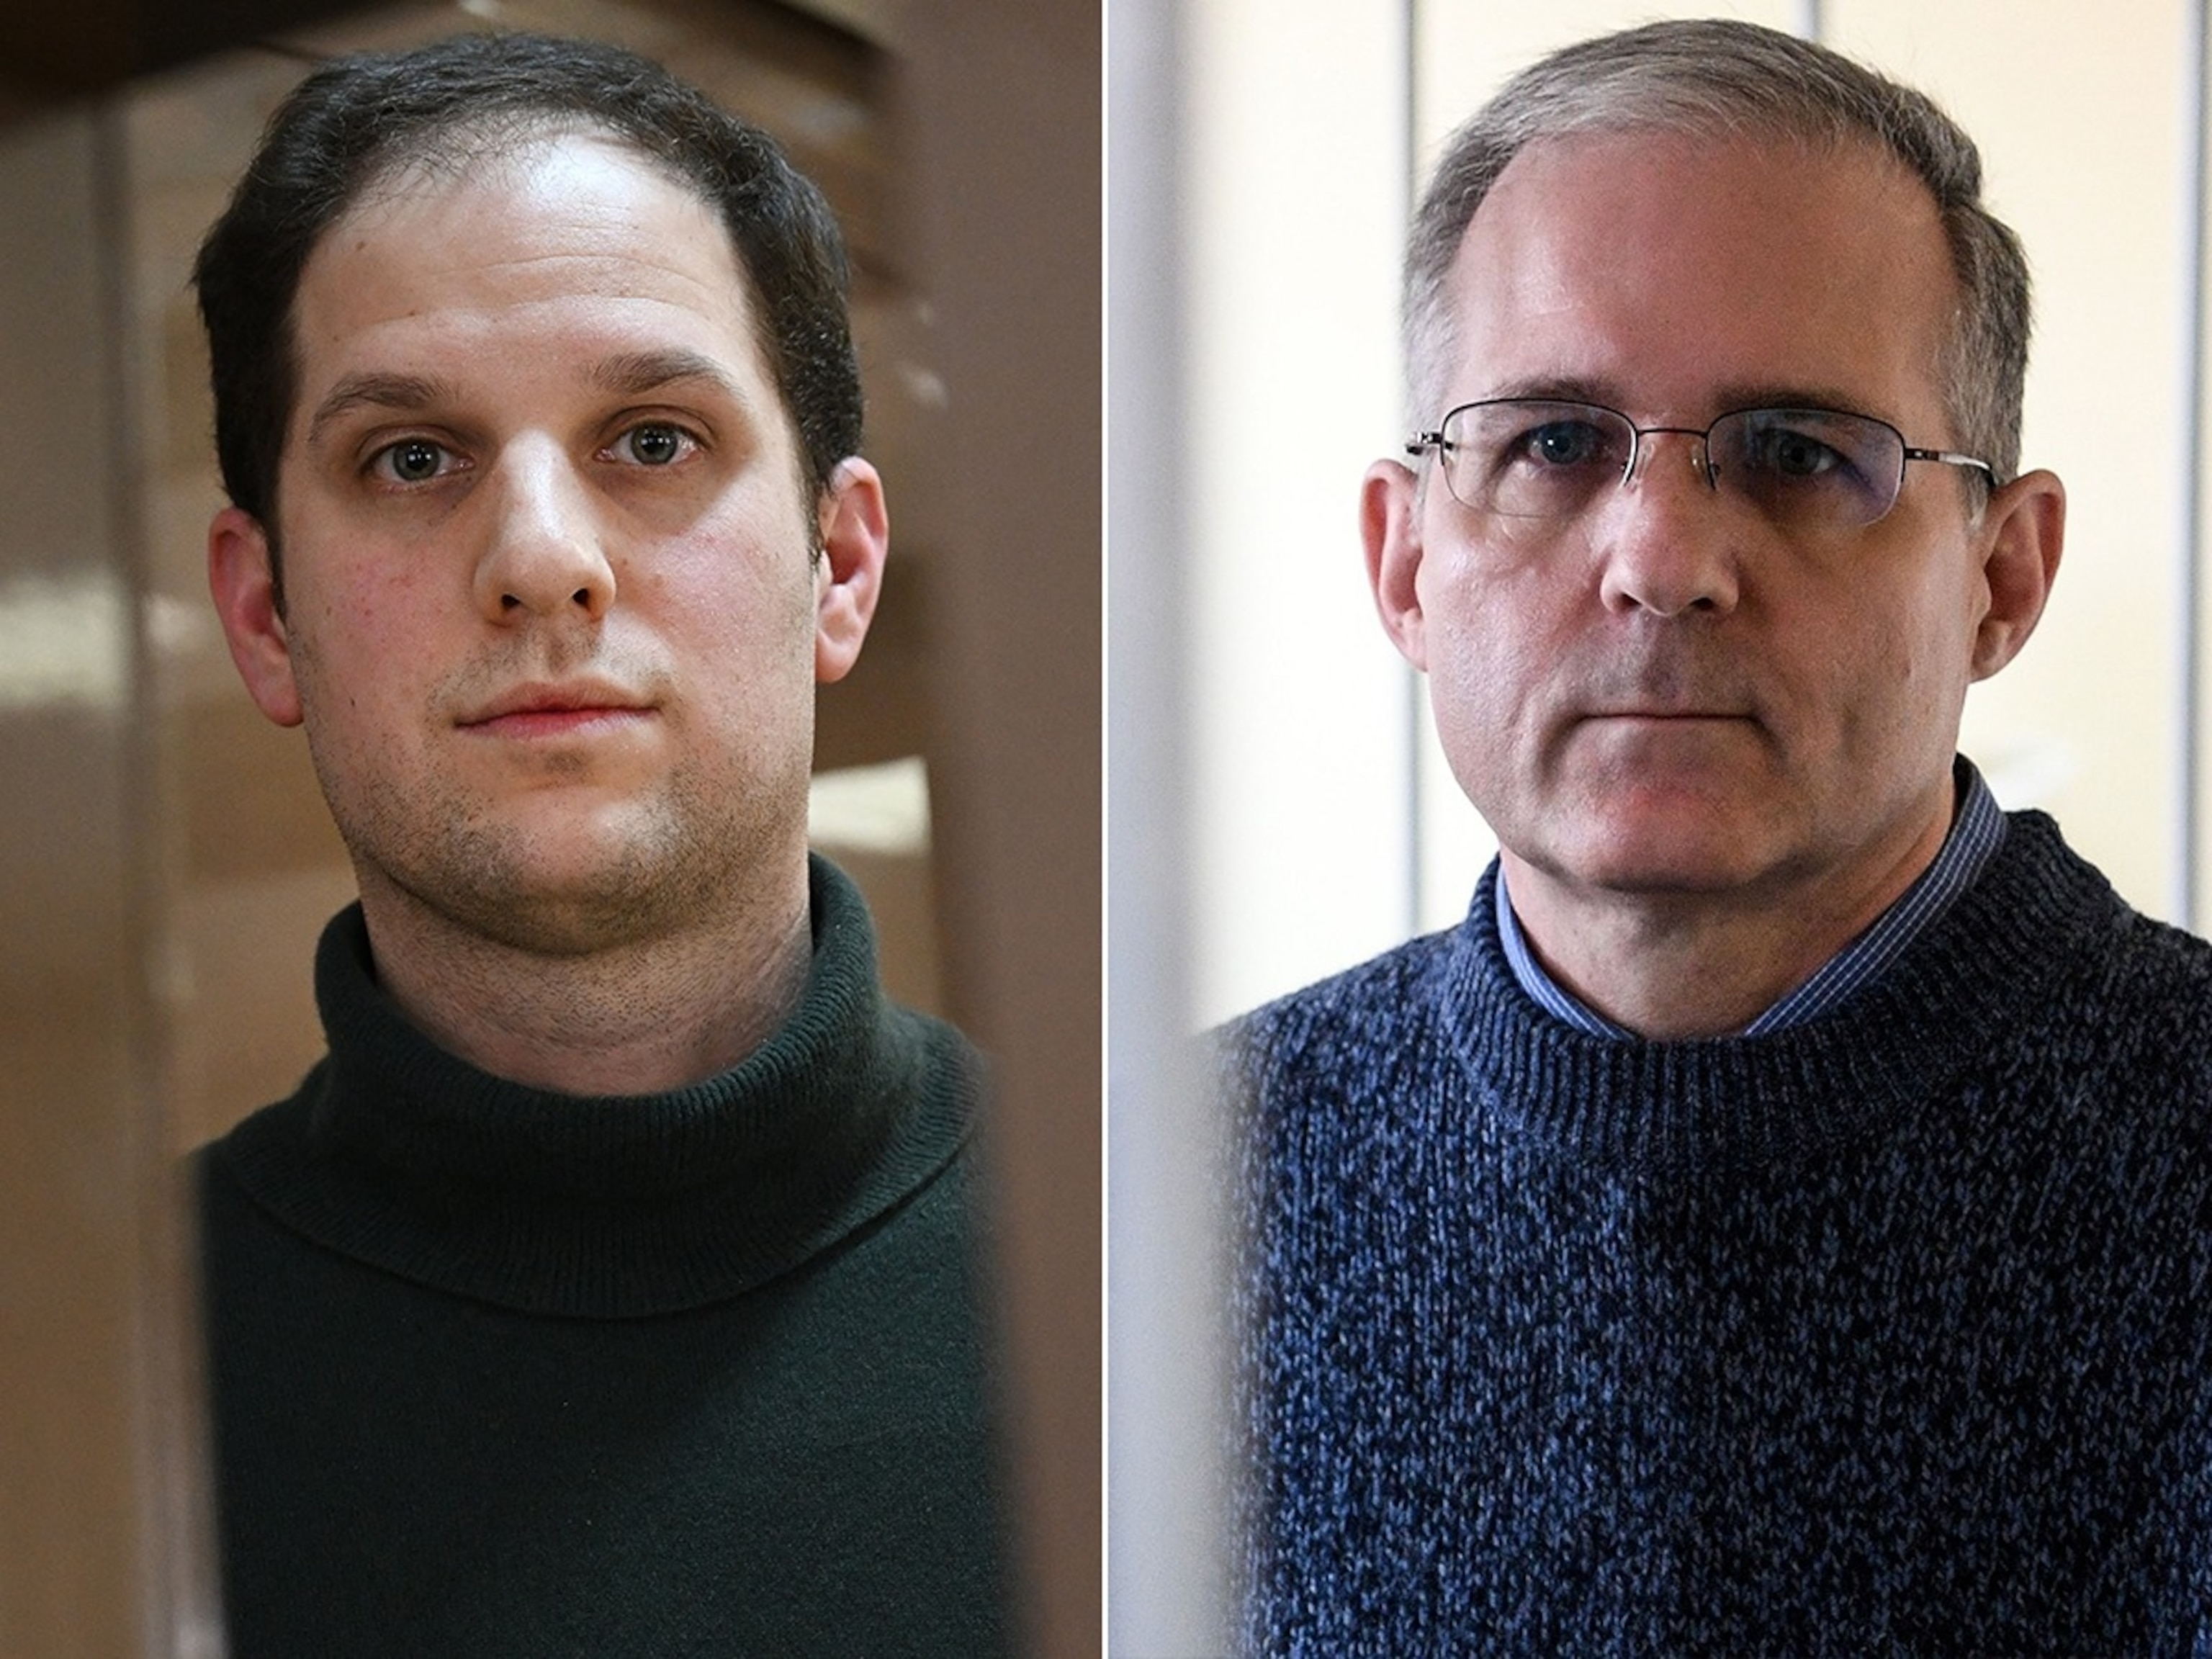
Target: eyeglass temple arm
{"points": [[1952, 458]]}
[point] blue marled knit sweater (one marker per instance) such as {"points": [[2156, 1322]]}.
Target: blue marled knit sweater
{"points": [[1891, 1334]]}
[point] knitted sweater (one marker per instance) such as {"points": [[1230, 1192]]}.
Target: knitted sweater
{"points": [[1889, 1333], [499, 1371]]}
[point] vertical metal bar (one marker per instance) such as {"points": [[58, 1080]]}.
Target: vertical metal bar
{"points": [[156, 1337], [2189, 580], [1810, 23], [1001, 109], [72, 1070], [181, 1617], [1167, 1485], [1417, 711]]}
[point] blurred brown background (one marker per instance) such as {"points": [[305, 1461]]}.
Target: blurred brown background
{"points": [[168, 860]]}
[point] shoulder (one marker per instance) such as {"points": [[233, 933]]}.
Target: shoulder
{"points": [[2123, 1006], [2157, 960], [935, 1063], [2119, 955], [2149, 988], [1339, 1026], [932, 1090]]}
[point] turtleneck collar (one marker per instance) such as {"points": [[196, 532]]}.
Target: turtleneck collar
{"points": [[407, 1158], [1666, 1110]]}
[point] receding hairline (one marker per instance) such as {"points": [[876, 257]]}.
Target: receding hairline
{"points": [[471, 141], [1432, 322], [1719, 78], [496, 138]]}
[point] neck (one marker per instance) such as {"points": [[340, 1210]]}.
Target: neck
{"points": [[640, 1016], [1674, 965]]}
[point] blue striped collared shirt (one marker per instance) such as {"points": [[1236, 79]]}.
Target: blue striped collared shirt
{"points": [[1977, 829]]}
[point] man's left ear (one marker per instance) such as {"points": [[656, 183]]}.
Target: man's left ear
{"points": [[855, 535], [2023, 530]]}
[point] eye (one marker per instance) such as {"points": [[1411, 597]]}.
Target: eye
{"points": [[1533, 458], [653, 443], [1790, 447], [1811, 469], [1562, 443], [1797, 455], [413, 460]]}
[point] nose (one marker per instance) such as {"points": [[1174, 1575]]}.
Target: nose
{"points": [[1667, 537], [544, 555]]}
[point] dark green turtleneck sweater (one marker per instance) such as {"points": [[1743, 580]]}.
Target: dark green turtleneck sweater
{"points": [[499, 1371], [1887, 1334]]}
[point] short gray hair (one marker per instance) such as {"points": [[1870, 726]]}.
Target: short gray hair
{"points": [[1709, 78]]}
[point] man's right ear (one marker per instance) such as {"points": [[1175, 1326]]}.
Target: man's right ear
{"points": [[243, 578], [1390, 529]]}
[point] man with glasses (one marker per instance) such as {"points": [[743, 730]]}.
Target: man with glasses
{"points": [[1779, 1218]]}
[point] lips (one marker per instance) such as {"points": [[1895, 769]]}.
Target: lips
{"points": [[547, 708], [1667, 714], [1665, 686]]}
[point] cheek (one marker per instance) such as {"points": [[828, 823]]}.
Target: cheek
{"points": [[1499, 633], [373, 643], [738, 604], [374, 594], [1894, 677], [1495, 646], [737, 618], [747, 552]]}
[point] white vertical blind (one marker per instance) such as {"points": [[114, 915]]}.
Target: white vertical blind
{"points": [[1296, 168]]}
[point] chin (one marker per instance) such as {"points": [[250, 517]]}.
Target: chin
{"points": [[1689, 849], [566, 895], [555, 911], [573, 925]]}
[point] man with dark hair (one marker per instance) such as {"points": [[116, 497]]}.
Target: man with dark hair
{"points": [[1780, 1218], [611, 1286]]}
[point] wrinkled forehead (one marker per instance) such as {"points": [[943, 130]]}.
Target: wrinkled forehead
{"points": [[1747, 257]]}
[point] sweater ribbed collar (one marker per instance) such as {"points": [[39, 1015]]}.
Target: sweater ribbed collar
{"points": [[407, 1158], [1667, 1110]]}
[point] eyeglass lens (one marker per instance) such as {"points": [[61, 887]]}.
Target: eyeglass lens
{"points": [[1804, 469]]}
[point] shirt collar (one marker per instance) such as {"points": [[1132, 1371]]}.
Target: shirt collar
{"points": [[1977, 829]]}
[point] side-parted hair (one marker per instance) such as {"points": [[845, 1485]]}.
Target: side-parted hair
{"points": [[359, 122], [1708, 78]]}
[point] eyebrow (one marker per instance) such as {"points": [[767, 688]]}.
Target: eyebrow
{"points": [[1773, 395], [376, 390], [1574, 389], [1558, 389], [634, 372], [629, 374]]}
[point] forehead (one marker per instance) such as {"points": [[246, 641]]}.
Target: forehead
{"points": [[511, 260], [1673, 272]]}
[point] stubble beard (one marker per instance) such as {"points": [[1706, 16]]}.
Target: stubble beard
{"points": [[678, 859]]}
